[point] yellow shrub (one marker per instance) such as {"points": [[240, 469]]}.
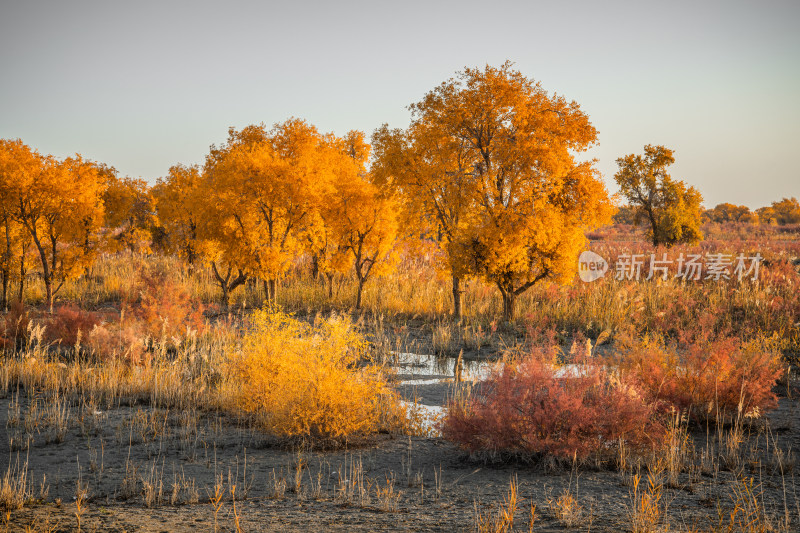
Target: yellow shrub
{"points": [[301, 380]]}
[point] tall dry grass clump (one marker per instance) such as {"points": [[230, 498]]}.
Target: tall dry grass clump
{"points": [[314, 381]]}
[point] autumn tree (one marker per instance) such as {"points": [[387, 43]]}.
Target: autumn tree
{"points": [[129, 211], [672, 210], [190, 221], [786, 211], [369, 227], [432, 174], [362, 216], [625, 214], [14, 158], [266, 186], [15, 261], [512, 146], [20, 166], [7, 257], [56, 202], [223, 255], [176, 199], [327, 235], [726, 212]]}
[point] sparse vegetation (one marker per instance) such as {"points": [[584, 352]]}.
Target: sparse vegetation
{"points": [[260, 308]]}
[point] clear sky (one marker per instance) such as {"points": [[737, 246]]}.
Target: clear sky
{"points": [[142, 86]]}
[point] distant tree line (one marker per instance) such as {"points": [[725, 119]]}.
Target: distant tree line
{"points": [[781, 213]]}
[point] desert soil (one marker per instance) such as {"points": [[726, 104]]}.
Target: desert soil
{"points": [[145, 469]]}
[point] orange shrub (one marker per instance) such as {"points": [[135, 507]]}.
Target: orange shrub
{"points": [[164, 307], [66, 323], [535, 409], [708, 378], [300, 380]]}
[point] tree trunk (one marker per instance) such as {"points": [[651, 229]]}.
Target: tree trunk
{"points": [[508, 304], [48, 289], [314, 267], [652, 217], [5, 289], [225, 299], [270, 289], [457, 306], [22, 275], [223, 284], [358, 294], [330, 285], [190, 258], [47, 273], [6, 267]]}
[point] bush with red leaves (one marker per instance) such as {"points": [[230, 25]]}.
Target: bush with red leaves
{"points": [[711, 379], [67, 321], [164, 307], [533, 409]]}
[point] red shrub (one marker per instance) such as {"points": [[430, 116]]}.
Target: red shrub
{"points": [[532, 409], [67, 321], [164, 307], [709, 378]]}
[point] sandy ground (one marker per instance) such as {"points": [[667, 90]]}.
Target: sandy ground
{"points": [[144, 469]]}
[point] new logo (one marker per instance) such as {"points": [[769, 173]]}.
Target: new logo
{"points": [[591, 266]]}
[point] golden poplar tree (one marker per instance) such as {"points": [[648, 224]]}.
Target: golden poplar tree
{"points": [[176, 199], [15, 160], [362, 215], [431, 173], [727, 212], [15, 259], [508, 150], [59, 204], [672, 210], [265, 187], [129, 212], [325, 237]]}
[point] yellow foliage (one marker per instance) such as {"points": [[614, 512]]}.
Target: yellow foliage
{"points": [[300, 380], [671, 209], [58, 203], [488, 165], [176, 199], [261, 193], [129, 212]]}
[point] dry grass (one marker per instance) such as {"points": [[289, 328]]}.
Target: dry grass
{"points": [[501, 521], [567, 510], [416, 289], [646, 509], [280, 375], [14, 488], [285, 377]]}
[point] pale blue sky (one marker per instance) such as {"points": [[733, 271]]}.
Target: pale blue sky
{"points": [[142, 86]]}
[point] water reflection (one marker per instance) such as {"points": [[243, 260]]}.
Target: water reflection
{"points": [[423, 369]]}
